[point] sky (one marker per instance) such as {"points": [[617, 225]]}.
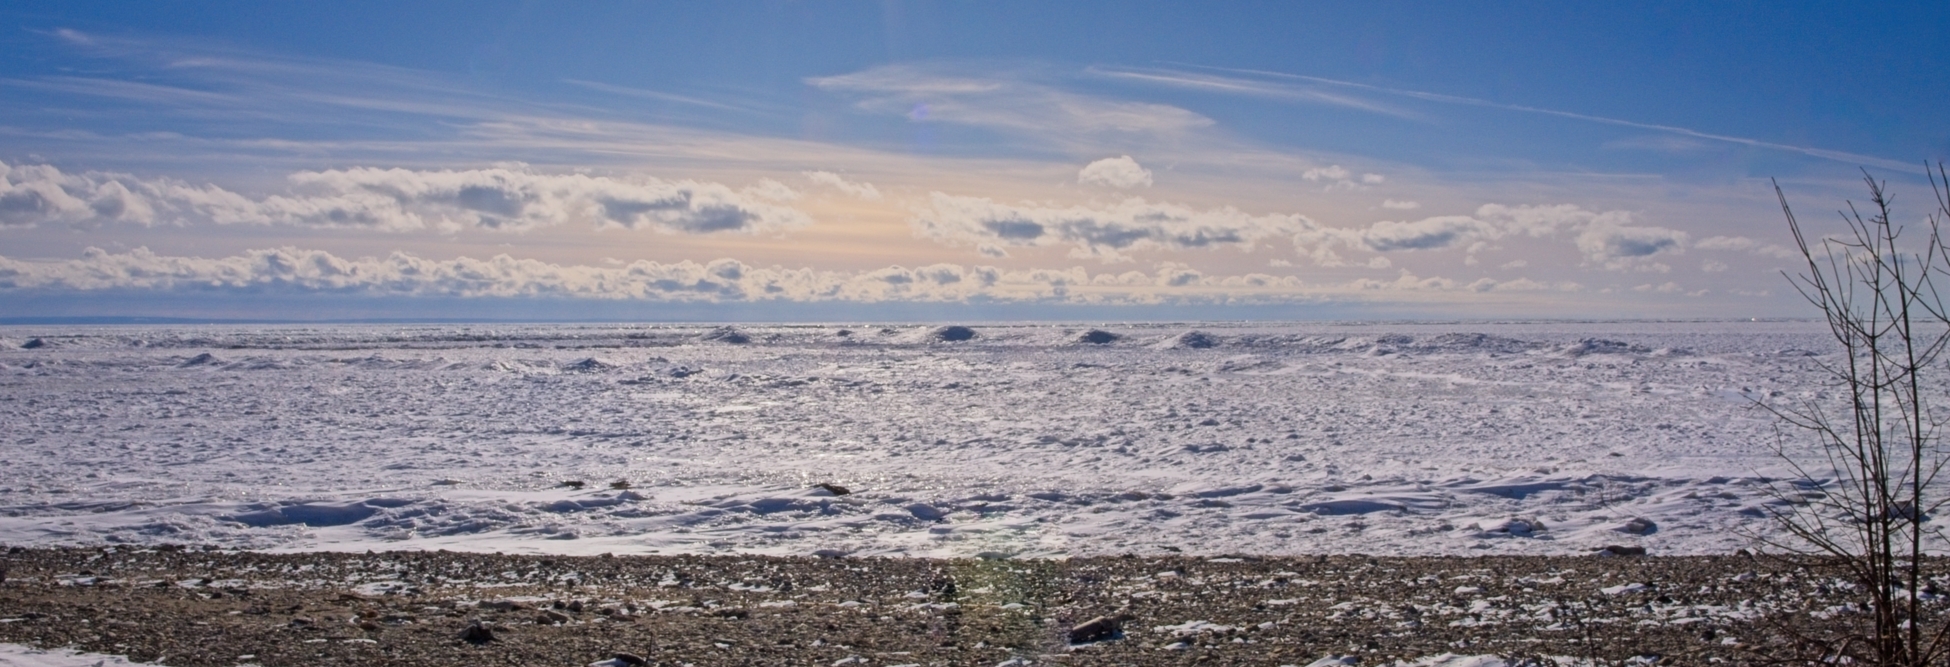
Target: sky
{"points": [[979, 161]]}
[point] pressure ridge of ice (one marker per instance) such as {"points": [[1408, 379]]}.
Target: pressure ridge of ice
{"points": [[955, 440]]}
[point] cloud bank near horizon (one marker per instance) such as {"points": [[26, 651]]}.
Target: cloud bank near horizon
{"points": [[512, 199], [721, 280]]}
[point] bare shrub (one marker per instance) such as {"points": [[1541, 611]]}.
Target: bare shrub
{"points": [[1864, 494]]}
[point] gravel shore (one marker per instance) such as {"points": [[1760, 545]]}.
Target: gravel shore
{"points": [[191, 606]]}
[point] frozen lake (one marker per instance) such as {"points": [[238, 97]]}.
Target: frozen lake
{"points": [[1030, 440]]}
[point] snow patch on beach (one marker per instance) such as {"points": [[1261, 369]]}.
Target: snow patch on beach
{"points": [[16, 655]]}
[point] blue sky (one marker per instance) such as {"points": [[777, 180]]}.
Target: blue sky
{"points": [[799, 160]]}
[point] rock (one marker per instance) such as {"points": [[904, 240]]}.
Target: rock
{"points": [[1621, 550], [1098, 629], [33, 343], [1515, 527], [574, 484], [731, 612], [629, 660], [503, 605], [620, 484], [552, 617], [574, 606], [477, 634], [1639, 526], [834, 489]]}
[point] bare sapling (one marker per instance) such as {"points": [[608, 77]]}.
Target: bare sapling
{"points": [[1868, 457]]}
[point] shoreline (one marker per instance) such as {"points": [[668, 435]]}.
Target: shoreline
{"points": [[192, 606]]}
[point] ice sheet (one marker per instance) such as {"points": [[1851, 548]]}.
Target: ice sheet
{"points": [[993, 440]]}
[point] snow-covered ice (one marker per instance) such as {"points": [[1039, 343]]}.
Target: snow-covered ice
{"points": [[989, 440]]}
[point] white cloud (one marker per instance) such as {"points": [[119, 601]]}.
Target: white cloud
{"points": [[1174, 274], [1616, 246], [503, 198], [1401, 205], [1407, 282], [1491, 221], [518, 199], [1540, 221], [1425, 234], [1523, 285], [1120, 172], [1330, 173], [1105, 233], [859, 189], [720, 280], [501, 276], [1744, 244], [32, 195], [1339, 179], [1607, 238], [771, 189]]}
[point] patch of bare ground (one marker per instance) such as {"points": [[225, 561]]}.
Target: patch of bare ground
{"points": [[190, 606]]}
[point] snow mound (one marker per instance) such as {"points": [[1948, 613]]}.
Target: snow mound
{"points": [[310, 514], [1590, 346], [1097, 337], [1190, 340], [587, 365], [730, 335], [205, 359], [1476, 342], [950, 334]]}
